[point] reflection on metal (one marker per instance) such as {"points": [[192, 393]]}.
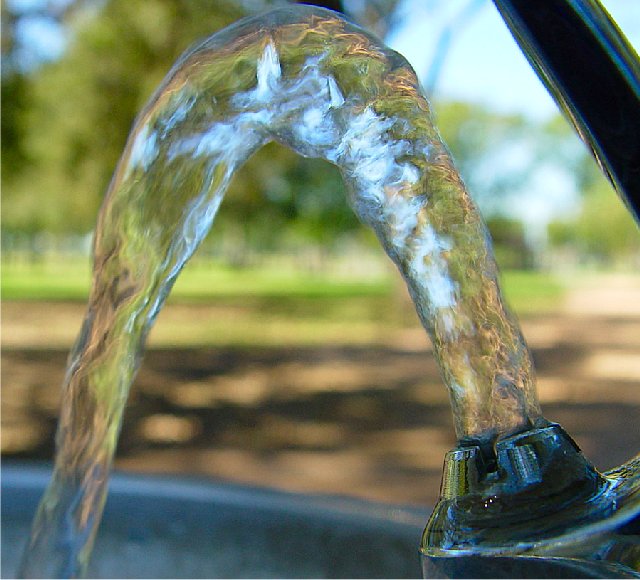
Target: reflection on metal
{"points": [[535, 495]]}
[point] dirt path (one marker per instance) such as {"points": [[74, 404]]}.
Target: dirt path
{"points": [[366, 420]]}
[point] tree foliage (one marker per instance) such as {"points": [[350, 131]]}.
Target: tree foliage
{"points": [[84, 104], [64, 125], [478, 138], [80, 109], [603, 231]]}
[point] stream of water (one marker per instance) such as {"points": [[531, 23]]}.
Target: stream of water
{"points": [[306, 78]]}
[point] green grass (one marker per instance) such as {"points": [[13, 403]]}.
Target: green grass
{"points": [[225, 283], [215, 305], [51, 281], [526, 292], [70, 281]]}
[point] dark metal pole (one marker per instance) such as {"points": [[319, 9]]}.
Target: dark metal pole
{"points": [[335, 5], [593, 74]]}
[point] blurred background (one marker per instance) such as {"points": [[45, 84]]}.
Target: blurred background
{"points": [[295, 359]]}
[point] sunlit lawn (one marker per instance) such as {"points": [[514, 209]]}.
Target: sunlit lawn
{"points": [[267, 305], [70, 281], [526, 291]]}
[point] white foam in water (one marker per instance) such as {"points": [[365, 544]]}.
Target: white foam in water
{"points": [[309, 92], [145, 149], [268, 73]]}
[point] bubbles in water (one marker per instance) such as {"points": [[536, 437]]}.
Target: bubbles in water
{"points": [[307, 79]]}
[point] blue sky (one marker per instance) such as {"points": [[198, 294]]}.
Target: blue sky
{"points": [[483, 63]]}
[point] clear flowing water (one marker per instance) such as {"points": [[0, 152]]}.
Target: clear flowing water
{"points": [[305, 78]]}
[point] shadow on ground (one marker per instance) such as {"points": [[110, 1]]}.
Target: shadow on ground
{"points": [[372, 422]]}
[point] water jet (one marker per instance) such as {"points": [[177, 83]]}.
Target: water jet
{"points": [[306, 78]]}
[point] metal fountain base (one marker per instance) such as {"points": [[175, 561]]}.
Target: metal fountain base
{"points": [[161, 527], [533, 507]]}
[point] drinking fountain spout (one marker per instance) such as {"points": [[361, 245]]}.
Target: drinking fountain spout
{"points": [[308, 79]]}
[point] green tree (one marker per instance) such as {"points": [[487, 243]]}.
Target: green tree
{"points": [[82, 108], [68, 122], [84, 104], [603, 231], [280, 199], [15, 102], [477, 138], [509, 242]]}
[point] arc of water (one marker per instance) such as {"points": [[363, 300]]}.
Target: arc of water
{"points": [[308, 79]]}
